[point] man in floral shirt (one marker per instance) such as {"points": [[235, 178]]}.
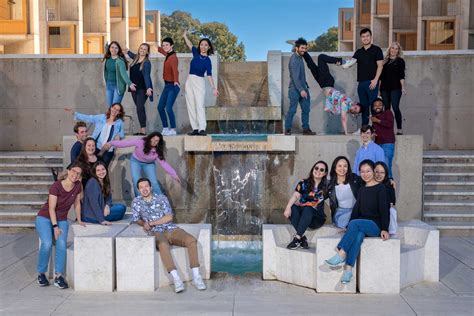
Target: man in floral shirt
{"points": [[153, 212]]}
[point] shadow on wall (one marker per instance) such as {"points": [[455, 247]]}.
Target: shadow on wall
{"points": [[351, 148], [6, 100]]}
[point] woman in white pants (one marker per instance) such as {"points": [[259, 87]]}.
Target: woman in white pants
{"points": [[195, 88]]}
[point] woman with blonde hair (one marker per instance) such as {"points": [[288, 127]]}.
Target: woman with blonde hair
{"points": [[140, 69], [392, 82]]}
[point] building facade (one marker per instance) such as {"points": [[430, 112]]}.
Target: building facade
{"points": [[416, 24], [69, 26]]}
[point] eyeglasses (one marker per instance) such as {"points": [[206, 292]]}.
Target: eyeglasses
{"points": [[319, 169]]}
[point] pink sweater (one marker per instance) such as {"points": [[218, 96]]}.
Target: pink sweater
{"points": [[139, 155]]}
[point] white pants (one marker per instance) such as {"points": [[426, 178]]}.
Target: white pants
{"points": [[195, 92]]}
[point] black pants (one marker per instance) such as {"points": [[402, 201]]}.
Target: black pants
{"points": [[139, 97], [391, 99], [304, 217], [321, 71]]}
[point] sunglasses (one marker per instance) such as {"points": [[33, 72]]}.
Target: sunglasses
{"points": [[319, 169]]}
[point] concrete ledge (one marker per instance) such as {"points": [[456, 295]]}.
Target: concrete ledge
{"points": [[273, 143], [270, 113]]}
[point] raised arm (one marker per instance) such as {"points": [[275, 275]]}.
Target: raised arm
{"points": [[186, 39]]}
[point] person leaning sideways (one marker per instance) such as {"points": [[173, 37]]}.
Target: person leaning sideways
{"points": [[368, 149], [305, 208], [52, 225], [370, 217], [195, 89], [171, 89], [80, 130], [154, 213], [97, 204], [298, 90]]}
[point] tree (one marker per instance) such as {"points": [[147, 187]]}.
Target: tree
{"points": [[225, 42], [326, 42]]}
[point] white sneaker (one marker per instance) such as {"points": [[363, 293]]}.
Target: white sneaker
{"points": [[178, 286], [199, 283], [348, 63], [171, 132], [165, 131], [356, 133]]}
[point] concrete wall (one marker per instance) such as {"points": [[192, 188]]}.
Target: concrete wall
{"points": [[438, 104], [35, 90], [195, 199]]}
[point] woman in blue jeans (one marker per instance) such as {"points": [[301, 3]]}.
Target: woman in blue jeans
{"points": [[52, 225], [370, 217], [97, 204]]}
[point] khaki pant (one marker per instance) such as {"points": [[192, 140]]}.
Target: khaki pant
{"points": [[195, 93], [177, 237]]}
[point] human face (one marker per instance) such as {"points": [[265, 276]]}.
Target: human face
{"points": [[379, 173], [154, 141], [355, 108], [100, 172], [143, 50], [319, 171], [394, 50], [144, 188], [74, 174], [203, 47], [115, 110], [366, 39], [113, 49], [81, 134], [167, 47], [366, 136], [90, 147], [300, 50], [378, 107], [341, 168], [366, 173]]}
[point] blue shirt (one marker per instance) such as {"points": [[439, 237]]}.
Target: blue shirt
{"points": [[153, 210], [372, 152], [99, 122], [200, 65]]}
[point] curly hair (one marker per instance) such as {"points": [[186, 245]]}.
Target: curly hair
{"points": [[160, 148]]}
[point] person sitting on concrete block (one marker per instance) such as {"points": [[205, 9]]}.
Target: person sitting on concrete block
{"points": [[370, 217], [306, 206], [153, 212]]}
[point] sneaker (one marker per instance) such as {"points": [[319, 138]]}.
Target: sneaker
{"points": [[202, 133], [399, 132], [178, 286], [199, 283], [304, 242], [165, 131], [294, 244], [346, 64], [288, 132], [171, 132], [308, 131], [346, 277], [193, 133], [42, 280], [356, 133], [139, 134], [60, 282], [335, 261]]}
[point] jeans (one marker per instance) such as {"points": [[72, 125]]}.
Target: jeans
{"points": [[44, 228], [342, 216], [112, 93], [295, 98], [392, 99], [366, 97], [167, 98], [117, 212], [149, 168], [389, 152], [303, 217], [354, 236], [139, 98]]}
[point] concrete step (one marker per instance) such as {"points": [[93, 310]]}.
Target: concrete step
{"points": [[16, 224], [18, 215], [20, 205], [448, 154], [448, 176], [23, 194], [451, 205], [448, 195], [26, 185], [451, 216], [30, 167], [448, 167], [449, 228], [448, 185], [17, 176]]}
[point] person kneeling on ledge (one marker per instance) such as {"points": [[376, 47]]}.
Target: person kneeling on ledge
{"points": [[153, 212]]}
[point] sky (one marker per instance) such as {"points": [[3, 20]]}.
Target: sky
{"points": [[262, 25]]}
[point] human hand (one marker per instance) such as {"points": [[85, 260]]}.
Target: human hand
{"points": [[304, 94], [132, 87], [215, 92], [149, 91], [385, 235], [57, 231], [404, 91], [146, 226], [176, 84], [287, 212], [373, 84], [69, 110], [106, 146], [125, 50], [81, 223], [106, 210]]}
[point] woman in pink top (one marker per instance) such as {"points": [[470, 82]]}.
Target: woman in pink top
{"points": [[147, 150]]}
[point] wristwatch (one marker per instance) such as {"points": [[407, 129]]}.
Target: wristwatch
{"points": [[55, 225]]}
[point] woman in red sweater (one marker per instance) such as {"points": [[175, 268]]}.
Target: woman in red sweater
{"points": [[171, 89]]}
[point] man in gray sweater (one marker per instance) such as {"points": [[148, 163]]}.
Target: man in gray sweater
{"points": [[298, 91]]}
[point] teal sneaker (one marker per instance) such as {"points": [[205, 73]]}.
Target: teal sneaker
{"points": [[346, 277], [335, 261]]}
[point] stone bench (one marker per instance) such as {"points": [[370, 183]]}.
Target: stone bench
{"points": [[138, 263]]}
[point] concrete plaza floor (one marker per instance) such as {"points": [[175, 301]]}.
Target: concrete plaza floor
{"points": [[226, 295]]}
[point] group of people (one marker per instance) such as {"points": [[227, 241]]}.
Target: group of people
{"points": [[378, 77]]}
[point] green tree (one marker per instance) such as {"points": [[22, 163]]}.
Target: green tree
{"points": [[326, 42], [225, 42]]}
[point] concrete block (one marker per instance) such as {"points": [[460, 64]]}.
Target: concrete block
{"points": [[379, 266], [328, 280]]}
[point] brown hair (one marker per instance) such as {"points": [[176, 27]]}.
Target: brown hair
{"points": [[79, 125], [106, 182], [108, 55], [120, 115]]}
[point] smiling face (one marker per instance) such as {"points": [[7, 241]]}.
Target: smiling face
{"points": [[115, 110], [366, 173], [100, 172], [319, 171], [143, 50], [394, 50], [203, 47], [366, 38], [74, 174], [81, 134], [342, 167], [154, 141], [366, 136], [144, 188], [167, 47], [90, 147], [378, 106], [379, 173], [113, 49], [300, 50], [355, 108]]}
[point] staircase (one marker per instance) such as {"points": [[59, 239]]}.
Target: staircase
{"points": [[448, 191], [25, 178]]}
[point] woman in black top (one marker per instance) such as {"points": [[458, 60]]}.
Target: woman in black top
{"points": [[87, 158], [370, 217], [381, 176], [140, 70], [306, 208], [392, 82]]}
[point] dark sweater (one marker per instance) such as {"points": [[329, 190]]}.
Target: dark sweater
{"points": [[372, 204], [145, 72], [75, 150], [384, 130], [393, 71], [94, 202]]}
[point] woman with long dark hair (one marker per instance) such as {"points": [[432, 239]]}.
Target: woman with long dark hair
{"points": [[370, 217], [148, 150], [140, 69], [305, 209], [196, 84], [87, 158], [343, 188], [97, 204], [382, 176], [115, 74], [52, 225]]}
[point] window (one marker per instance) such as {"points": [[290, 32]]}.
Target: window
{"points": [[93, 44], [150, 28], [364, 11], [347, 29], [134, 13], [13, 17], [115, 8], [407, 40], [61, 39], [383, 7], [440, 35]]}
